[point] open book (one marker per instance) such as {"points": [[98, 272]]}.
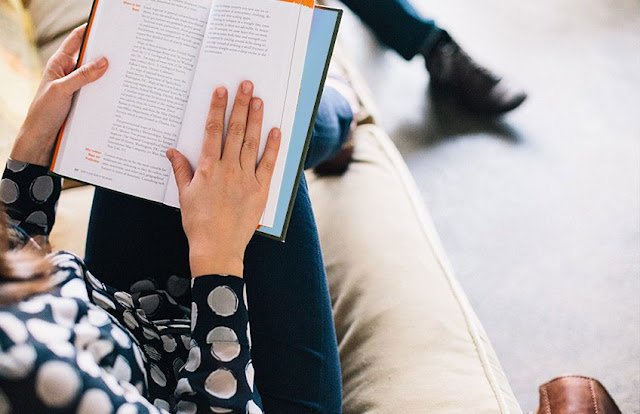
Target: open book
{"points": [[165, 59]]}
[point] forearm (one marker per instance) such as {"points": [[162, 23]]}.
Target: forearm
{"points": [[33, 146], [219, 370]]}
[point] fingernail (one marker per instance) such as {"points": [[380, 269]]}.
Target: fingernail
{"points": [[169, 154], [247, 87], [256, 104], [221, 92], [275, 134], [102, 62]]}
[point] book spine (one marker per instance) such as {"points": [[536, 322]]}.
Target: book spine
{"points": [[78, 64]]}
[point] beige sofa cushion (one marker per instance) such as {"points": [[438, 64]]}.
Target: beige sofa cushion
{"points": [[409, 341], [72, 220]]}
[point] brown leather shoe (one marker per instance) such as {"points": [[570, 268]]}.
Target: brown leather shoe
{"points": [[575, 395]]}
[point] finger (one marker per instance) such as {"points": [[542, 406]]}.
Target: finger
{"points": [[181, 169], [84, 75], [71, 45], [267, 164], [251, 144], [214, 128], [238, 122]]}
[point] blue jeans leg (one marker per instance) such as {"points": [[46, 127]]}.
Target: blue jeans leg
{"points": [[397, 24], [292, 320]]}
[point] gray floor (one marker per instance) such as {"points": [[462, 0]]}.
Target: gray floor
{"points": [[539, 212]]}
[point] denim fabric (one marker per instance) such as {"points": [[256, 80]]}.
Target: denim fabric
{"points": [[397, 24], [294, 350], [331, 129]]}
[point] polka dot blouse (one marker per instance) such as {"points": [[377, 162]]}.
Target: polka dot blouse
{"points": [[84, 347]]}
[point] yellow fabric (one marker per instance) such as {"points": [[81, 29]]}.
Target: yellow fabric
{"points": [[20, 71]]}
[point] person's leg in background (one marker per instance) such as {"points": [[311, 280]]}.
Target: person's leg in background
{"points": [[294, 342], [397, 24]]}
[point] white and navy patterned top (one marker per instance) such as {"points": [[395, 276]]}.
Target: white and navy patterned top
{"points": [[84, 347]]}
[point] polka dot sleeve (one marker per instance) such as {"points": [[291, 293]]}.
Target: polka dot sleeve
{"points": [[219, 374], [30, 196], [35, 385]]}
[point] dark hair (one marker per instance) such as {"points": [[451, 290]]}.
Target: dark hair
{"points": [[24, 271]]}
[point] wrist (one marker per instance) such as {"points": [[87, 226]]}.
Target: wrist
{"points": [[215, 262], [32, 148]]}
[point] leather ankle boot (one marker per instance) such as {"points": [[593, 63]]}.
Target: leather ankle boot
{"points": [[454, 73], [575, 395]]}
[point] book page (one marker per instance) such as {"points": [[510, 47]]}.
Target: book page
{"points": [[324, 30], [254, 40], [121, 126]]}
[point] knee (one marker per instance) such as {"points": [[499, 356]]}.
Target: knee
{"points": [[334, 117], [332, 127]]}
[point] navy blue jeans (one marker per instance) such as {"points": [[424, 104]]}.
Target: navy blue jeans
{"points": [[294, 343], [397, 24]]}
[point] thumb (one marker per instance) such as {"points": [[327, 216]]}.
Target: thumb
{"points": [[85, 74], [181, 169]]}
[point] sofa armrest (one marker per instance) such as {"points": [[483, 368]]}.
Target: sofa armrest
{"points": [[408, 339]]}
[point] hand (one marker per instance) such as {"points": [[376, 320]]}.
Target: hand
{"points": [[222, 202], [52, 102]]}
